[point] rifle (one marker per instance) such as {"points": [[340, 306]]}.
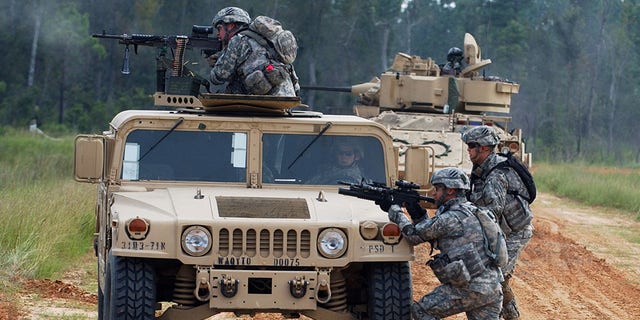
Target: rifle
{"points": [[199, 39], [405, 193]]}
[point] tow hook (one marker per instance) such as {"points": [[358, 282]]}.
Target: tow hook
{"points": [[323, 290], [298, 287], [202, 291], [228, 286]]}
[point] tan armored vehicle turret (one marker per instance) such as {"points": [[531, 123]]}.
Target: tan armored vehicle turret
{"points": [[426, 109], [231, 203]]}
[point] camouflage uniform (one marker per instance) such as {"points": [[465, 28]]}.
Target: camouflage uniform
{"points": [[457, 234], [499, 192]]}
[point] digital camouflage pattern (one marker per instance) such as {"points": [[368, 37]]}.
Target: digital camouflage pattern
{"points": [[231, 15], [453, 178], [458, 235], [498, 191], [242, 57], [482, 135]]}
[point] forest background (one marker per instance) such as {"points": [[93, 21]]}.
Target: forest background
{"points": [[576, 60]]}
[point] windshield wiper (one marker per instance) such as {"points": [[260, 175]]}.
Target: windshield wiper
{"points": [[326, 127], [180, 120]]}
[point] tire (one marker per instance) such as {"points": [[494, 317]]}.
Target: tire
{"points": [[130, 290], [389, 291]]}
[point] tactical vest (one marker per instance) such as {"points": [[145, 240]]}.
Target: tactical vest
{"points": [[462, 252]]}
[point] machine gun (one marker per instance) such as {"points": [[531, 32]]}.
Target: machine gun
{"points": [[181, 79], [405, 193]]}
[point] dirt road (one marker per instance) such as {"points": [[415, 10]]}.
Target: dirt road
{"points": [[579, 265], [582, 263]]}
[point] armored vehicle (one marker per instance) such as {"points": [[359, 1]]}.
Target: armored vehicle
{"points": [[427, 106], [228, 203]]}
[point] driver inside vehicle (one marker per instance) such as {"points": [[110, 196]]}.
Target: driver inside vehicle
{"points": [[344, 166]]}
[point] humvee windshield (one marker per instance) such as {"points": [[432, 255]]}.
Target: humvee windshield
{"points": [[222, 157]]}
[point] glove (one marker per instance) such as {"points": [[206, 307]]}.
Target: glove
{"points": [[416, 212], [384, 203], [396, 214]]}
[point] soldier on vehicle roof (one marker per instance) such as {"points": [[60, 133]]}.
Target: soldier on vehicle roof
{"points": [[243, 63], [503, 192], [455, 62], [470, 282]]}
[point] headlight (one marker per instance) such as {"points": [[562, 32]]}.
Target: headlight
{"points": [[196, 241], [332, 243]]}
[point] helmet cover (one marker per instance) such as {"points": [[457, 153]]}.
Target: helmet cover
{"points": [[452, 178], [482, 135], [231, 14]]}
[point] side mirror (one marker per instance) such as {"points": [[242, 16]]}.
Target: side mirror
{"points": [[419, 165], [88, 161]]}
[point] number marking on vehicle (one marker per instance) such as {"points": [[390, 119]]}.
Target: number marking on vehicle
{"points": [[376, 248], [142, 245]]}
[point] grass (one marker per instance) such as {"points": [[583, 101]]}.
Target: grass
{"points": [[594, 186], [48, 218]]}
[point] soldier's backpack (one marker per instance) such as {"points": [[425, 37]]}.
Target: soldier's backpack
{"points": [[494, 239], [282, 42], [282, 49], [523, 173]]}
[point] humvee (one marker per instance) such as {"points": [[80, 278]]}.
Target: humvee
{"points": [[211, 206], [425, 109]]}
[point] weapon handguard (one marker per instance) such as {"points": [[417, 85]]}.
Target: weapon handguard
{"points": [[405, 194]]}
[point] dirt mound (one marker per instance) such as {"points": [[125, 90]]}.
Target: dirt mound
{"points": [[57, 289], [560, 279]]}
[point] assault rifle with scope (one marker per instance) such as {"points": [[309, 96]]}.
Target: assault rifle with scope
{"points": [[405, 193], [181, 79]]}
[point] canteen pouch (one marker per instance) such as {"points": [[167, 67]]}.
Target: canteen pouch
{"points": [[454, 273], [276, 73], [457, 273], [257, 83]]}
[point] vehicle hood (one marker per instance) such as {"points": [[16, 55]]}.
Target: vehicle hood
{"points": [[203, 204]]}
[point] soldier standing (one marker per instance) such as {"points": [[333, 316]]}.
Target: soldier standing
{"points": [[503, 192], [241, 63], [470, 283]]}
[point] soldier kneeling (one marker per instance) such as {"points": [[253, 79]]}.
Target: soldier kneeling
{"points": [[470, 278]]}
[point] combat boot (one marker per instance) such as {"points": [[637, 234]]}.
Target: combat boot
{"points": [[510, 311]]}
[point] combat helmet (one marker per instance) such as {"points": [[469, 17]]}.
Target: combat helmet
{"points": [[482, 135], [452, 178], [454, 54], [231, 14]]}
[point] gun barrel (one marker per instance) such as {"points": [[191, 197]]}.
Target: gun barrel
{"points": [[358, 194], [428, 199]]}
